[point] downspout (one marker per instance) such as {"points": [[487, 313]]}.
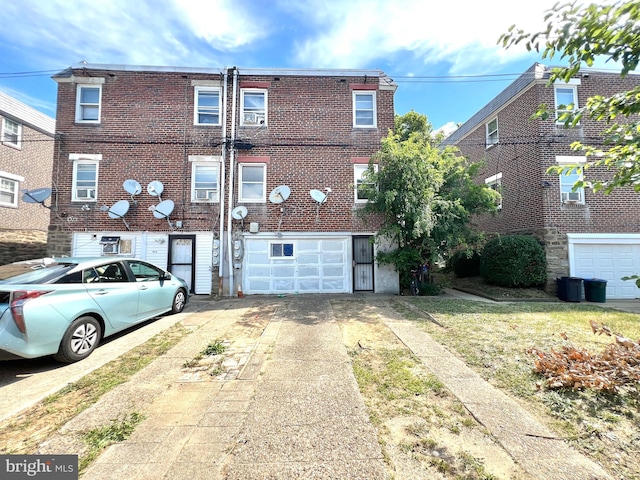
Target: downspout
{"points": [[222, 184], [231, 180]]}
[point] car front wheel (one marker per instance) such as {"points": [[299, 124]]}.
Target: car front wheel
{"points": [[80, 339], [179, 301]]}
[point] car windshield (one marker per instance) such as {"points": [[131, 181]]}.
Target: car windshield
{"points": [[43, 270]]}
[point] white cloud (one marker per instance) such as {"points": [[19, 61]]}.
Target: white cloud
{"points": [[448, 128]]}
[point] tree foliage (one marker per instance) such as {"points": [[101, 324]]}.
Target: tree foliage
{"points": [[581, 34]]}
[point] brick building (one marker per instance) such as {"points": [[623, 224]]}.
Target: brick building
{"points": [[238, 180], [26, 157], [585, 234]]}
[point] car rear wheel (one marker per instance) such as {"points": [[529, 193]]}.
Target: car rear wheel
{"points": [[179, 301], [80, 339]]}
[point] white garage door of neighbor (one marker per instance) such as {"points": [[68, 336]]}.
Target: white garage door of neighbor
{"points": [[609, 262], [296, 265]]}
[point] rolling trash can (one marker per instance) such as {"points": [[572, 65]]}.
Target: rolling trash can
{"points": [[569, 289], [595, 290]]}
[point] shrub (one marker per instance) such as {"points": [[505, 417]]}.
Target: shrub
{"points": [[465, 263], [513, 261]]}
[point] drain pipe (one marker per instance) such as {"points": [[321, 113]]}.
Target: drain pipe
{"points": [[232, 156], [221, 184]]}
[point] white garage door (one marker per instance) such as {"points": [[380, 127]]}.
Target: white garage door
{"points": [[610, 262], [296, 265]]}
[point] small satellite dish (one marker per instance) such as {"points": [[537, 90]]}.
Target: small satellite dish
{"points": [[239, 212], [318, 196], [39, 195], [163, 209], [279, 194], [155, 188], [132, 187], [119, 209]]}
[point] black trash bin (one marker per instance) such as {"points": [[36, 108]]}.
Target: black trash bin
{"points": [[569, 289], [595, 290]]}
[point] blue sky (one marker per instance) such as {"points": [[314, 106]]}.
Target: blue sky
{"points": [[443, 55]]}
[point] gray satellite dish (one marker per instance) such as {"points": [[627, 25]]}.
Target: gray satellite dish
{"points": [[119, 210], [318, 196], [132, 187], [239, 212], [155, 188], [279, 194], [163, 209], [39, 195]]}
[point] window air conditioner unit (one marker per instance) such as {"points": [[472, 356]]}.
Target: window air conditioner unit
{"points": [[205, 194], [86, 193], [571, 197], [253, 119], [110, 245]]}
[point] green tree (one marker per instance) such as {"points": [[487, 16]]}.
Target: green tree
{"points": [[579, 35], [424, 195]]}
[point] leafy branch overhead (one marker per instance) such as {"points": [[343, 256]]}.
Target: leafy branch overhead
{"points": [[580, 35]]}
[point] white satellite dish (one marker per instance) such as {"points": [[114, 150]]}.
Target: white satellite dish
{"points": [[318, 196], [132, 187], [155, 188], [279, 194], [239, 212], [163, 209], [119, 210], [39, 195]]}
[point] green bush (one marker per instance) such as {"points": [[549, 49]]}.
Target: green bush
{"points": [[465, 263], [513, 261]]}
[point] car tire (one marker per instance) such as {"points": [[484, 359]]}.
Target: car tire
{"points": [[80, 339], [179, 301]]}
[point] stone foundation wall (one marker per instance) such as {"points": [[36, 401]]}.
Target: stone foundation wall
{"points": [[17, 245], [59, 241]]}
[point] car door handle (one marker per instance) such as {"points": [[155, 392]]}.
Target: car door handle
{"points": [[143, 287], [102, 292]]}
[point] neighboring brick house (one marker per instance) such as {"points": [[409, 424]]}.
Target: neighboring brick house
{"points": [[585, 234], [26, 158], [209, 172]]}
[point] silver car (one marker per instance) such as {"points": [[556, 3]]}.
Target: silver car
{"points": [[65, 306]]}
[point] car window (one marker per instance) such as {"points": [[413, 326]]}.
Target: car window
{"points": [[43, 270], [73, 277], [111, 272], [145, 272]]}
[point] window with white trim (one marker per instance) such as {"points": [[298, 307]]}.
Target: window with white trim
{"points": [[364, 109], [253, 107], [11, 133], [9, 189], [205, 186], [252, 181], [494, 182], [85, 177], [207, 105], [88, 103], [359, 195], [569, 177], [492, 132], [281, 250], [566, 98]]}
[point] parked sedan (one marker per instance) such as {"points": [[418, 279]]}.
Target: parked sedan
{"points": [[65, 306]]}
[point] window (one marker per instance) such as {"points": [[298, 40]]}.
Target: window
{"points": [[85, 177], [204, 179], [566, 97], [11, 133], [360, 195], [492, 132], [254, 107], [252, 182], [88, 103], [8, 190], [364, 109], [207, 106], [569, 178], [280, 250], [494, 182]]}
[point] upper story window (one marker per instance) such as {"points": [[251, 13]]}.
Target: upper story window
{"points": [[11, 133], [364, 109], [494, 182], [253, 106], [360, 194], [569, 178], [85, 177], [492, 132], [88, 103], [566, 98], [205, 185], [207, 106], [9, 189], [252, 182]]}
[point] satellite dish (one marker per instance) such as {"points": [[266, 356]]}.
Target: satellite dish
{"points": [[318, 196], [39, 195], [132, 187], [119, 209], [155, 188], [279, 194], [163, 209], [239, 212]]}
